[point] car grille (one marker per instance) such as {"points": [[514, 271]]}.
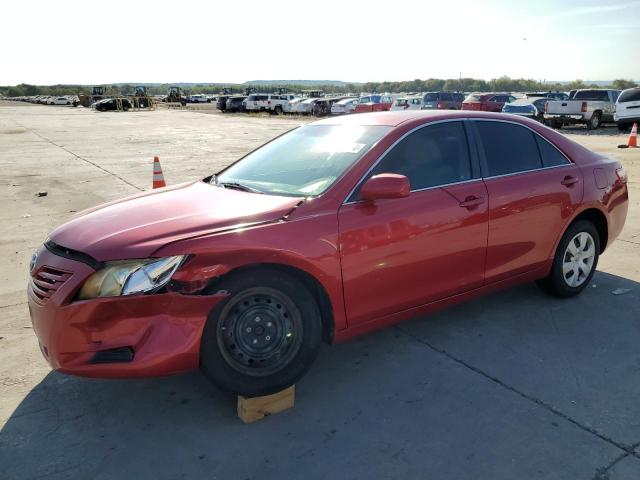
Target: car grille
{"points": [[46, 281]]}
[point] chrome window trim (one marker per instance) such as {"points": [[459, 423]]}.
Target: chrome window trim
{"points": [[526, 171], [392, 146], [464, 119]]}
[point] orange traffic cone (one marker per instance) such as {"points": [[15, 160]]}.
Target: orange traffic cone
{"points": [[158, 177], [633, 137]]}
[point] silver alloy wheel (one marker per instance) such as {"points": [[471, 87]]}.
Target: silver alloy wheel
{"points": [[578, 259]]}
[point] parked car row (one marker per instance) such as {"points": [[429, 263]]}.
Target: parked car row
{"points": [[71, 100], [591, 107]]}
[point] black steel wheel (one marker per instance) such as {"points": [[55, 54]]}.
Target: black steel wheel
{"points": [[260, 331], [264, 336]]}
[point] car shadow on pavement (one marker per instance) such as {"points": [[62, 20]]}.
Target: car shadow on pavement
{"points": [[508, 386], [608, 129]]}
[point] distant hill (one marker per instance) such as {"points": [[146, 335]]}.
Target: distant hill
{"points": [[337, 83], [600, 83]]}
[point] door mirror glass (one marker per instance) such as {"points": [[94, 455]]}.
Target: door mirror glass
{"points": [[385, 185]]}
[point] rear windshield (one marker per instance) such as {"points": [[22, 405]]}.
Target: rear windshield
{"points": [[631, 95], [592, 95], [401, 102], [431, 97]]}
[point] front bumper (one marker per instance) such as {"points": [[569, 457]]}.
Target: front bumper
{"points": [[162, 331]]}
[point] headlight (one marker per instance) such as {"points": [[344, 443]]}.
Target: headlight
{"points": [[127, 277]]}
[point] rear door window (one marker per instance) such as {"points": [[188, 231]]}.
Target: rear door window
{"points": [[431, 156], [508, 148]]}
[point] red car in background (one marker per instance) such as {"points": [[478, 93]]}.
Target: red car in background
{"points": [[374, 103], [487, 102], [329, 231]]}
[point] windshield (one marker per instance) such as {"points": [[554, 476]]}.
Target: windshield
{"points": [[474, 97], [305, 161]]}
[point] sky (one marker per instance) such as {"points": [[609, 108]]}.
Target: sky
{"points": [[80, 42]]}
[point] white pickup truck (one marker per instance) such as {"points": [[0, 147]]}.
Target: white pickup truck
{"points": [[592, 107]]}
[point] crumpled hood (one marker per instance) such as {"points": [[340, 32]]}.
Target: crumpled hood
{"points": [[137, 226]]}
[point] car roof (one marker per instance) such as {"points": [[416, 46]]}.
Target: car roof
{"points": [[396, 118]]}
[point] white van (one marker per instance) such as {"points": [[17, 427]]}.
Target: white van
{"points": [[407, 103], [257, 102]]}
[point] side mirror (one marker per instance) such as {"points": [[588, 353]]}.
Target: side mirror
{"points": [[385, 185]]}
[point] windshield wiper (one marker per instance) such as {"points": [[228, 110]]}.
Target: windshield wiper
{"points": [[238, 186]]}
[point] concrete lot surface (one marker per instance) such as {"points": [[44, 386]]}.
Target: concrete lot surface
{"points": [[517, 385]]}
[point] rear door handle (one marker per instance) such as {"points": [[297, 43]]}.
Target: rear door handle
{"points": [[569, 181], [471, 202]]}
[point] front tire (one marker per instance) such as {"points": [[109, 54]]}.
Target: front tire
{"points": [[264, 336], [575, 261]]}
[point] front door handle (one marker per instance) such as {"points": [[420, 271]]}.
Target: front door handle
{"points": [[569, 181], [471, 202]]}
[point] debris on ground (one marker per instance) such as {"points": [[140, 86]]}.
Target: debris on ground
{"points": [[42, 194], [620, 291]]}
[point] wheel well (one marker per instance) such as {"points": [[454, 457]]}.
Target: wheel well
{"points": [[598, 219], [313, 285]]}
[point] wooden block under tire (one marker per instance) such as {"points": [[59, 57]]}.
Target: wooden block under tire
{"points": [[256, 408]]}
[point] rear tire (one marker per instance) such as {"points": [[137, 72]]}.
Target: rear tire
{"points": [[264, 336], [594, 121], [575, 261]]}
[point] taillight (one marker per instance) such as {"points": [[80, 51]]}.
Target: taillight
{"points": [[621, 173], [441, 105], [584, 107]]}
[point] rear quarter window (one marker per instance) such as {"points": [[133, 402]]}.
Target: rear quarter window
{"points": [[551, 156], [508, 148]]}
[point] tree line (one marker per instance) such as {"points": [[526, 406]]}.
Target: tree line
{"points": [[502, 84]]}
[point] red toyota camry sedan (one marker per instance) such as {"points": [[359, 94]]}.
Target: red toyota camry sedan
{"points": [[329, 231]]}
